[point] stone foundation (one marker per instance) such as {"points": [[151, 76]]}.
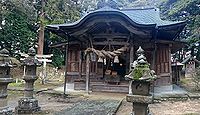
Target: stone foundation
{"points": [[5, 111], [159, 89], [27, 106]]}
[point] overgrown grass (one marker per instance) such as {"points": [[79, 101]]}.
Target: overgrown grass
{"points": [[19, 84], [184, 81]]}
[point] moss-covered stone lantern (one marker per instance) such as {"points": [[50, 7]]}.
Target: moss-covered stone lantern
{"points": [[141, 77], [28, 104], [5, 79]]}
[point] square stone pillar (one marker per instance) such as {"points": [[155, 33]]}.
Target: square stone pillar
{"points": [[140, 97], [28, 104]]}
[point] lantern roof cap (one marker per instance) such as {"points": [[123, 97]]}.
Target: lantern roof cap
{"points": [[4, 52], [140, 50], [142, 57], [31, 51]]}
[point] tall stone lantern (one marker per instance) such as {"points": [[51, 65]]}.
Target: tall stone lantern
{"points": [[28, 104], [5, 79], [141, 77]]}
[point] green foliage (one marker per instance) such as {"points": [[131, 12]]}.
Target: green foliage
{"points": [[22, 16], [58, 12], [184, 5], [187, 10], [58, 58], [61, 11], [17, 34]]}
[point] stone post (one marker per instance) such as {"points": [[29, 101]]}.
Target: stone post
{"points": [[5, 79], [141, 77], [28, 104]]}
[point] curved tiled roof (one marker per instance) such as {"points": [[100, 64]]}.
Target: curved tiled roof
{"points": [[142, 17], [146, 16]]}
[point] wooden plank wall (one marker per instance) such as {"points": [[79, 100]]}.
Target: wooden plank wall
{"points": [[93, 67], [73, 67], [73, 60], [163, 65], [77, 64], [162, 60]]}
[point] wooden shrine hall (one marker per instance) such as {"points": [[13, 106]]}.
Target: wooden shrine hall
{"points": [[112, 36]]}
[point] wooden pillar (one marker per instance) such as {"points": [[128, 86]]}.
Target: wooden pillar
{"points": [[170, 64], [66, 68], [131, 55], [154, 57], [154, 67], [87, 73], [80, 64]]}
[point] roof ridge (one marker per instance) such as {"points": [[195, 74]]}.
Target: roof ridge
{"points": [[139, 8]]}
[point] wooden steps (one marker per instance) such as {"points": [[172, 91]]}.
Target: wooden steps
{"points": [[110, 88], [103, 87]]}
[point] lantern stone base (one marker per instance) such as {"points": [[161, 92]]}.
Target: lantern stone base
{"points": [[6, 111], [27, 106], [140, 109], [140, 103], [139, 99]]}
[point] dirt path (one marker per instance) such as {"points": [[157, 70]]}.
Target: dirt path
{"points": [[191, 107]]}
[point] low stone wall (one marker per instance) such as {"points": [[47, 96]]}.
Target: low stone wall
{"points": [[177, 97]]}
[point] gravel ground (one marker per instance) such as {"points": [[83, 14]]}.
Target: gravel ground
{"points": [[93, 104], [190, 107], [48, 103], [52, 104]]}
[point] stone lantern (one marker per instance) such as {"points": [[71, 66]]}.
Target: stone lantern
{"points": [[141, 77], [28, 104], [5, 79]]}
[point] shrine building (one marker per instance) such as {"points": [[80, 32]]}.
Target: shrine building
{"points": [[112, 36]]}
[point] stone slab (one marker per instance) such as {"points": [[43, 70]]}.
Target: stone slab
{"points": [[158, 89], [139, 99], [92, 107], [194, 95]]}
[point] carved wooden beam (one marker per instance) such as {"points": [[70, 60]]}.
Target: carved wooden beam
{"points": [[112, 35], [96, 20], [111, 43]]}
